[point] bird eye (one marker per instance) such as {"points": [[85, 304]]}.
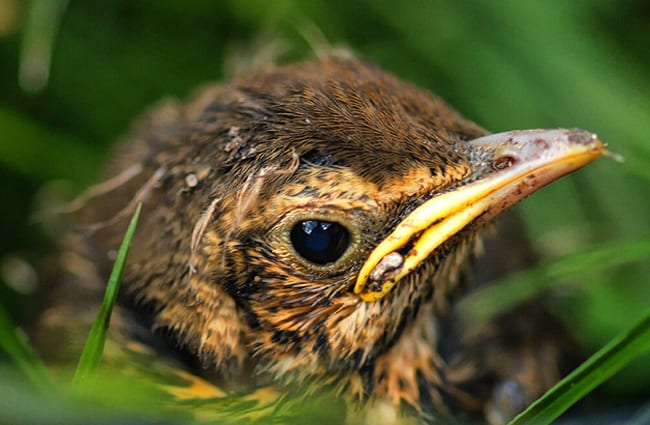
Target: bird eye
{"points": [[320, 242]]}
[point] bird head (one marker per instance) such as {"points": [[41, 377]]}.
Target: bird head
{"points": [[303, 215]]}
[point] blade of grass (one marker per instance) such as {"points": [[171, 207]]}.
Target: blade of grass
{"points": [[593, 372], [22, 355], [94, 347], [117, 399], [487, 302], [42, 25]]}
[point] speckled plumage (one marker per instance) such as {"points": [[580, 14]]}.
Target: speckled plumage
{"points": [[224, 176]]}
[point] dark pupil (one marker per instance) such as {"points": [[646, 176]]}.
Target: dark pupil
{"points": [[320, 242]]}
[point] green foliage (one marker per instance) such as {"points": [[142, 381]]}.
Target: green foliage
{"points": [[593, 372], [504, 64], [13, 343], [94, 347], [487, 302]]}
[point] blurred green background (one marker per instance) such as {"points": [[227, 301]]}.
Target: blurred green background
{"points": [[74, 74]]}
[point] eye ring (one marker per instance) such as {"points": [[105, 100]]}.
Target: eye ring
{"points": [[340, 227]]}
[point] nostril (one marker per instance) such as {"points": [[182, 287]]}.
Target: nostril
{"points": [[503, 162]]}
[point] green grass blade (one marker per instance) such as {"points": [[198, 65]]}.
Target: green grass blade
{"points": [[22, 355], [94, 347], [43, 22], [593, 372], [490, 300]]}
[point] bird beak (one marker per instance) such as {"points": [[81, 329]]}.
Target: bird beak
{"points": [[521, 162]]}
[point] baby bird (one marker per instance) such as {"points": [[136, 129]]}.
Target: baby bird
{"points": [[306, 230]]}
